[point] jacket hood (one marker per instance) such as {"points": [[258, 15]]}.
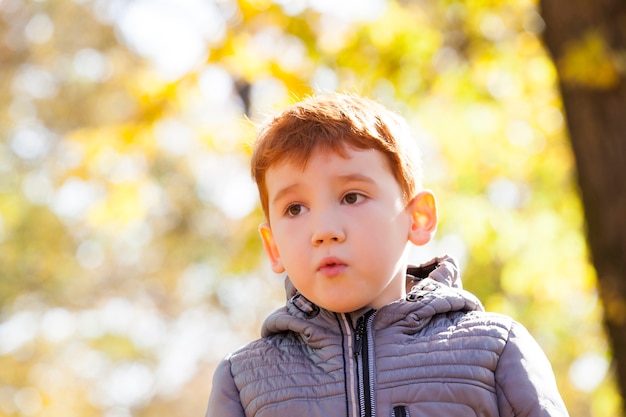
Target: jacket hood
{"points": [[443, 270], [432, 288]]}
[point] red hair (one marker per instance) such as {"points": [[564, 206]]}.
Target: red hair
{"points": [[330, 123]]}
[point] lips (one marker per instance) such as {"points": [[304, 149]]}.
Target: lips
{"points": [[331, 266]]}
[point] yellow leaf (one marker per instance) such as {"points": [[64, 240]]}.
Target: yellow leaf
{"points": [[588, 62]]}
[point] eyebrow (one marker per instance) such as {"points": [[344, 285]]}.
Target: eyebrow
{"points": [[283, 191], [356, 177]]}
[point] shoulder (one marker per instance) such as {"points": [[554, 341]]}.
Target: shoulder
{"points": [[224, 398], [477, 330], [473, 330], [235, 380], [487, 322], [525, 381], [508, 329], [265, 347], [517, 349]]}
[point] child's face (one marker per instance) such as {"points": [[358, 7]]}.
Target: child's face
{"points": [[339, 228]]}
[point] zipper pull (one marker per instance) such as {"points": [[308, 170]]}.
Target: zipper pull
{"points": [[358, 335]]}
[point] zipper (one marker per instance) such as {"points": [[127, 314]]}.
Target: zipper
{"points": [[359, 334], [358, 364], [400, 411], [365, 363]]}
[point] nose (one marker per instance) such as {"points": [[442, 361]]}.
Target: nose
{"points": [[327, 231]]}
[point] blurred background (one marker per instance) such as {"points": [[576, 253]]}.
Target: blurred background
{"points": [[129, 257]]}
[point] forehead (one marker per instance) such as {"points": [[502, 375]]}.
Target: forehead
{"points": [[299, 158], [323, 167]]}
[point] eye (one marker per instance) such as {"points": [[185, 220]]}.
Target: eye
{"points": [[352, 198], [294, 210]]}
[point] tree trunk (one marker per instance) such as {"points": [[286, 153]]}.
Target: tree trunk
{"points": [[594, 99]]}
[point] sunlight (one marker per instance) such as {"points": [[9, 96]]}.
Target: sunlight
{"points": [[173, 35]]}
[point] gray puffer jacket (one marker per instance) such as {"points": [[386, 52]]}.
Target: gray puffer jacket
{"points": [[436, 353]]}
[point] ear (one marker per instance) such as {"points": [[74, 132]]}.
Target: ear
{"points": [[270, 248], [423, 210]]}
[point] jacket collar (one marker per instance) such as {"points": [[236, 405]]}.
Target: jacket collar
{"points": [[443, 270], [433, 287]]}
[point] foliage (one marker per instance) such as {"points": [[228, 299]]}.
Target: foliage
{"points": [[589, 62], [129, 257]]}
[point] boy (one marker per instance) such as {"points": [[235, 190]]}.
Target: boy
{"points": [[363, 333]]}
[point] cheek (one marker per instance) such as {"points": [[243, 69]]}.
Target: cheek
{"points": [[283, 235], [289, 243], [385, 239]]}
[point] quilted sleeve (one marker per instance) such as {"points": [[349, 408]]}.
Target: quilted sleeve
{"points": [[524, 379], [224, 398]]}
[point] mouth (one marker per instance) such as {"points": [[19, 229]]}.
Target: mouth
{"points": [[331, 266]]}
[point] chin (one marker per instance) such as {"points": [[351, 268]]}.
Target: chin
{"points": [[341, 308]]}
